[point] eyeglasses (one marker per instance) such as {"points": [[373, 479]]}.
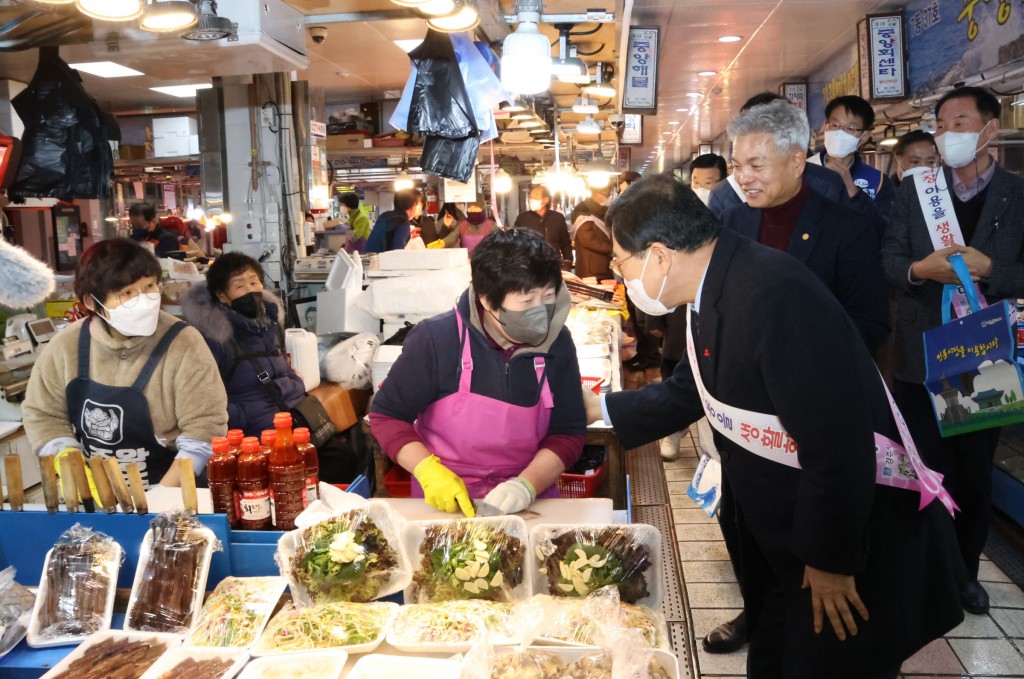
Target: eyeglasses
{"points": [[852, 129], [129, 298], [615, 264]]}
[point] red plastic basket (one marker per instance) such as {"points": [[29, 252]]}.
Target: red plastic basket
{"points": [[592, 383], [398, 482], [581, 485]]}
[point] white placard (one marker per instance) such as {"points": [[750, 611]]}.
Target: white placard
{"points": [[457, 192], [886, 57], [641, 77], [632, 128], [317, 130], [796, 93]]}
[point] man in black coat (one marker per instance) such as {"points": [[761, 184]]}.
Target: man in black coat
{"points": [[852, 578]]}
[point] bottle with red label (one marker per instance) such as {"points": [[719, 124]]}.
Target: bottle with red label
{"points": [[235, 437], [253, 488], [287, 473], [311, 461], [222, 473]]}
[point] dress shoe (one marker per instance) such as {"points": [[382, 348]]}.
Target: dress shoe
{"points": [[728, 637], [974, 598], [669, 446], [641, 363]]}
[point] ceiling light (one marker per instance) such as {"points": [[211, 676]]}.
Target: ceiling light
{"points": [[464, 19], [105, 69], [888, 141], [111, 10], [410, 3], [403, 181], [513, 106], [600, 87], [209, 26], [531, 123], [408, 45], [588, 126], [49, 5], [693, 94], [581, 77], [704, 74], [436, 8], [673, 122], [682, 109], [584, 106], [165, 16], [502, 181], [538, 130], [525, 114], [570, 67], [730, 38], [182, 91], [526, 53]]}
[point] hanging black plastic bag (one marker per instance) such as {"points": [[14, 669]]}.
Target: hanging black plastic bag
{"points": [[450, 158], [440, 104], [65, 148]]}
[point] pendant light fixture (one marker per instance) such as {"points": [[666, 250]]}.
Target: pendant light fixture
{"points": [[584, 106], [601, 86], [588, 126], [166, 16], [502, 181], [110, 10], [439, 8], [465, 18], [598, 171], [566, 64], [410, 3], [581, 77], [526, 52], [404, 180], [48, 5], [208, 25], [514, 106]]}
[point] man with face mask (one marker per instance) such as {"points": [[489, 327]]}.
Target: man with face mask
{"points": [[706, 172], [547, 222], [145, 228], [848, 577], [988, 204], [591, 236]]}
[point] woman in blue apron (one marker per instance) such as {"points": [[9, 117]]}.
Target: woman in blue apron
{"points": [[130, 381]]}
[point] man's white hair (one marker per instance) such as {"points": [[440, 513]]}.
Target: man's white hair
{"points": [[785, 123]]}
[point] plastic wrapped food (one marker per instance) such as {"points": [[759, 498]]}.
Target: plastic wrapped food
{"points": [[526, 663], [353, 556], [354, 627], [468, 559], [574, 561], [451, 625], [314, 664], [188, 662], [76, 589], [599, 666], [15, 611], [171, 576], [570, 621], [114, 655], [236, 612]]}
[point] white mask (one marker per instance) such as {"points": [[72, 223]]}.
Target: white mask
{"points": [[959, 148], [839, 144], [704, 194], [140, 320], [536, 205], [643, 301]]}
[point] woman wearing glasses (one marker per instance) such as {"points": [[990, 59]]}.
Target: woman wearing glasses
{"points": [[129, 381]]}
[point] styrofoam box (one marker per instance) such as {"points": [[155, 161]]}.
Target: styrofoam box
{"points": [[168, 661], [443, 258], [313, 664], [379, 665], [166, 147], [178, 126], [169, 641], [382, 361]]}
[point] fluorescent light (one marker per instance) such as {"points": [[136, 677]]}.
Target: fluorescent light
{"points": [[682, 109], [704, 74], [182, 91], [588, 126], [530, 123], [673, 122], [105, 69], [693, 94], [111, 10], [730, 38], [584, 106], [408, 45]]}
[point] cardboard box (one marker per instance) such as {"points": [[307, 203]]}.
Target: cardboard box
{"points": [[347, 141]]}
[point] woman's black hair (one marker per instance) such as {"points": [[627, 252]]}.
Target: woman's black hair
{"points": [[913, 137], [111, 265], [144, 210], [226, 267], [406, 199], [659, 209], [450, 209], [350, 200], [513, 260]]}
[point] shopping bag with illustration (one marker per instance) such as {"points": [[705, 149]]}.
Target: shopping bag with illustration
{"points": [[971, 363]]}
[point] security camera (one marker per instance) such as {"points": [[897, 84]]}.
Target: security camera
{"points": [[318, 33]]}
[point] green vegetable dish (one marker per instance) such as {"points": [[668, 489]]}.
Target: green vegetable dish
{"points": [[346, 558], [583, 561], [325, 626], [467, 560]]}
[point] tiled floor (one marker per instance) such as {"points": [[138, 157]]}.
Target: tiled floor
{"points": [[983, 646]]}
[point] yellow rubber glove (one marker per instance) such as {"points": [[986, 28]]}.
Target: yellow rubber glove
{"points": [[436, 245], [442, 488], [59, 458]]}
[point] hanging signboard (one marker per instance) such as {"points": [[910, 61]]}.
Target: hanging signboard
{"points": [[640, 80], [882, 55], [796, 92], [317, 130], [632, 129], [457, 192]]}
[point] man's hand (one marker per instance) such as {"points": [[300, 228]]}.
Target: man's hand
{"points": [[831, 595], [592, 406], [978, 263], [843, 170], [936, 266]]}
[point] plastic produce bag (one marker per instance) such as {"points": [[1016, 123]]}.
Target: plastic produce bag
{"points": [[483, 558], [451, 626], [451, 158], [15, 611], [579, 621], [237, 611], [358, 628], [76, 590], [440, 104], [351, 556], [484, 87], [349, 363]]}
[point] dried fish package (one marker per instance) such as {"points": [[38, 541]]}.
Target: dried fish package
{"points": [[15, 611]]}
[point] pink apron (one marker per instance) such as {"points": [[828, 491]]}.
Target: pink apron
{"points": [[483, 440], [471, 240]]}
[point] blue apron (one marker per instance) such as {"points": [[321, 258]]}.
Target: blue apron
{"points": [[116, 420]]}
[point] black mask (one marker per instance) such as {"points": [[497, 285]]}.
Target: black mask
{"points": [[249, 305]]}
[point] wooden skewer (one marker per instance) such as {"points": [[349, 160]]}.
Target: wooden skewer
{"points": [[77, 465], [137, 488], [102, 481], [188, 485], [48, 472], [119, 486], [68, 488], [15, 485]]}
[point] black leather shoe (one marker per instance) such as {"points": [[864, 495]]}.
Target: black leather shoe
{"points": [[974, 598], [641, 363], [728, 637]]}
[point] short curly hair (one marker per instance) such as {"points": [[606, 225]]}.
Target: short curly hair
{"points": [[513, 260], [785, 123], [226, 267], [112, 265]]}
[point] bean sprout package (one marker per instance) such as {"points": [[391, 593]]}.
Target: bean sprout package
{"points": [[236, 612], [170, 580], [575, 560], [484, 661], [578, 622], [483, 558], [352, 627], [339, 554], [76, 589], [15, 611]]}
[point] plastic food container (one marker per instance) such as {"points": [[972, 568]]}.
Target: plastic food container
{"points": [[232, 658], [166, 641], [666, 659], [236, 613], [570, 624], [451, 626], [377, 666], [311, 665], [292, 620]]}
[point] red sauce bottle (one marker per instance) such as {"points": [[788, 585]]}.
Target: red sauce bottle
{"points": [[253, 491], [222, 472], [311, 461], [267, 437], [287, 474], [235, 437]]}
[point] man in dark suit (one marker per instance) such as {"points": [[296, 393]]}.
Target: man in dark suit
{"points": [[989, 205], [851, 577]]}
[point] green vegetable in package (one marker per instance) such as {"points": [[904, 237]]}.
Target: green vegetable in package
{"points": [[467, 559]]}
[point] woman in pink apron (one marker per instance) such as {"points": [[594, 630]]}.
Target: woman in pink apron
{"points": [[485, 400], [475, 228]]}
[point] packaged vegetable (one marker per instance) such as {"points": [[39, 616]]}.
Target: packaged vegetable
{"points": [[113, 654], [573, 561], [314, 664], [529, 663], [468, 559], [76, 589], [170, 580], [569, 621], [354, 627], [600, 666], [351, 556], [237, 611], [15, 611], [451, 625]]}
